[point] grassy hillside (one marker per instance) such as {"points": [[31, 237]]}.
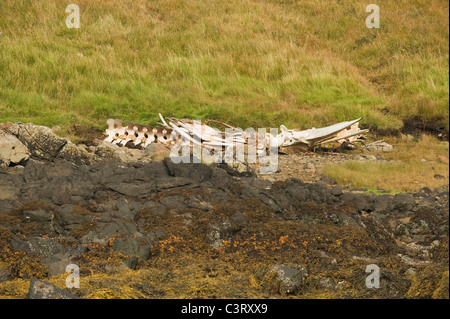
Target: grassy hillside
{"points": [[250, 63]]}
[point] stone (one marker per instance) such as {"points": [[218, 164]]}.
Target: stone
{"points": [[237, 169], [75, 154], [45, 246], [287, 279], [336, 191], [9, 191], [199, 204], [411, 272], [132, 247], [157, 151], [174, 202], [428, 202], [39, 215], [56, 264], [108, 150], [379, 147], [41, 142], [403, 202], [383, 203], [327, 180], [363, 202], [299, 192], [44, 290], [5, 274], [12, 151], [131, 263], [326, 283], [105, 230], [197, 172]]}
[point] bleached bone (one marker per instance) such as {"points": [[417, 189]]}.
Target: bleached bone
{"points": [[128, 135], [140, 137], [201, 132], [317, 136], [148, 134], [110, 131], [120, 132], [177, 130]]}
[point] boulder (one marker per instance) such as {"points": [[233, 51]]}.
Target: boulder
{"points": [[132, 246], [157, 151], [286, 279], [12, 151], [237, 169], [41, 142], [197, 172], [44, 290], [378, 146], [75, 154]]}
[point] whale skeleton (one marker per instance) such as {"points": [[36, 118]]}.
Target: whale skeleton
{"points": [[173, 131]]}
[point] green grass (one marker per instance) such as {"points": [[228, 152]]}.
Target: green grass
{"points": [[248, 63]]}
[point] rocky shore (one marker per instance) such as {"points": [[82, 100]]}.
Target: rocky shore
{"points": [[155, 229]]}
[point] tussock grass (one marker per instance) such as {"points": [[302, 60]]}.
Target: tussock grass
{"points": [[416, 164], [250, 63]]}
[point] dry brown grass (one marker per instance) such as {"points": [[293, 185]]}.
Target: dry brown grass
{"points": [[413, 164]]}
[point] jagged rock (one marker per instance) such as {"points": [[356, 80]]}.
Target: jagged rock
{"points": [[197, 172], [111, 151], [12, 151], [75, 154], [148, 207], [41, 142], [44, 290], [57, 263], [299, 192], [132, 246], [286, 279], [237, 169]]}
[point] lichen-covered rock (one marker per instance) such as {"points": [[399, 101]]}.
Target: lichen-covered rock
{"points": [[41, 142], [12, 151], [379, 147], [44, 290], [237, 169], [286, 279], [75, 154]]}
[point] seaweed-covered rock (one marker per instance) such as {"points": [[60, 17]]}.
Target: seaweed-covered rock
{"points": [[44, 290], [285, 279]]}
